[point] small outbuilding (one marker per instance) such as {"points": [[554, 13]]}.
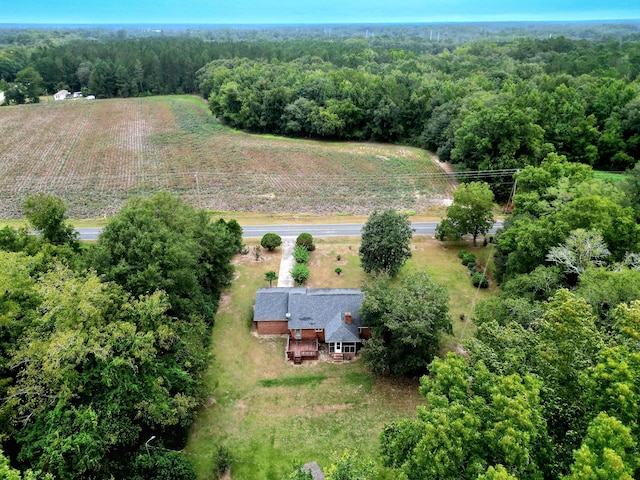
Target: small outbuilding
{"points": [[61, 95]]}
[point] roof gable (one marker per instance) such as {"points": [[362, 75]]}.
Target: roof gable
{"points": [[271, 304], [337, 330]]}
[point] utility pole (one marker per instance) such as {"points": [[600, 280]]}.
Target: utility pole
{"points": [[198, 191]]}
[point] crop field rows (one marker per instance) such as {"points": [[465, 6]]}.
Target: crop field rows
{"points": [[96, 155]]}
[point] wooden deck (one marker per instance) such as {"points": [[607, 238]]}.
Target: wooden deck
{"points": [[299, 349]]}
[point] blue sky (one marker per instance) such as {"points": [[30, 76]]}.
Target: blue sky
{"points": [[311, 11]]}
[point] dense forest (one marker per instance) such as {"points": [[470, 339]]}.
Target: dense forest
{"points": [[102, 348], [548, 387], [482, 104]]}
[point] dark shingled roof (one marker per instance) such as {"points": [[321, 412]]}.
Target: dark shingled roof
{"points": [[339, 331], [313, 308], [272, 303]]}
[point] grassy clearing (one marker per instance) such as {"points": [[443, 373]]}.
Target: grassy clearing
{"points": [[302, 380], [611, 176], [441, 261], [117, 148], [270, 413]]}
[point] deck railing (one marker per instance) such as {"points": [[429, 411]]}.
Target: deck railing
{"points": [[301, 348]]}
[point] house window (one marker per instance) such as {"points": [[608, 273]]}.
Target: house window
{"points": [[319, 330], [332, 348], [297, 334], [349, 347]]}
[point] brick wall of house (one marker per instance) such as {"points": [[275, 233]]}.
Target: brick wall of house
{"points": [[272, 327], [365, 333], [307, 334]]}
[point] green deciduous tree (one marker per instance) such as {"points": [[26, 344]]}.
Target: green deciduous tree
{"points": [[498, 136], [385, 242], [607, 452], [305, 240], [350, 466], [32, 81], [471, 213], [270, 241], [6, 471], [497, 473], [298, 474], [161, 465], [47, 214], [95, 369], [407, 321], [161, 243], [472, 419], [552, 171], [569, 342], [605, 289], [16, 94]]}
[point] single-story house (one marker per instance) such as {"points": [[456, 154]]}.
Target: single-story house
{"points": [[61, 95], [310, 316]]}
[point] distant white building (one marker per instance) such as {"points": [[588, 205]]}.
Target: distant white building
{"points": [[61, 95], [77, 94], [90, 97], [1, 98]]}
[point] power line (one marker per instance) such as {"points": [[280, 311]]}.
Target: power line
{"points": [[193, 175]]}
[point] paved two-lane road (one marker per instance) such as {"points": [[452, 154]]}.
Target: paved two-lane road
{"points": [[317, 230]]}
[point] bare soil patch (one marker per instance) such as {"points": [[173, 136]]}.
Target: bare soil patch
{"points": [[96, 155]]}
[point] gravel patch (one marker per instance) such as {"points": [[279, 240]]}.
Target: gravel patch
{"points": [[287, 263]]}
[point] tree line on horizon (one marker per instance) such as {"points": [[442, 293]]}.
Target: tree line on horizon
{"points": [[481, 104]]}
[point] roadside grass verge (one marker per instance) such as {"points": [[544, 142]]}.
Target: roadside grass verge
{"points": [[433, 214], [269, 413]]}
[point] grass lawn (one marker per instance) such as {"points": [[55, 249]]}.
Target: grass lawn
{"points": [[611, 176], [269, 413]]}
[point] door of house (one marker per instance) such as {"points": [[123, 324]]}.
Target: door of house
{"points": [[338, 348]]}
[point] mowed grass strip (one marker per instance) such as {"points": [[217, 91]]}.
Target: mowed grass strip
{"points": [[117, 148], [302, 380], [270, 413]]}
